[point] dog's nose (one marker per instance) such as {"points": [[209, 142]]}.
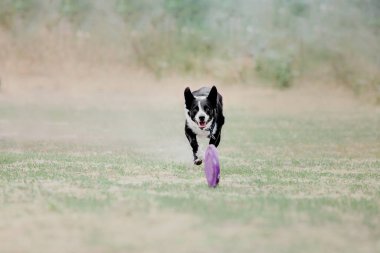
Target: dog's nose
{"points": [[201, 118]]}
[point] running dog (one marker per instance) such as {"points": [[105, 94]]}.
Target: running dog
{"points": [[204, 117]]}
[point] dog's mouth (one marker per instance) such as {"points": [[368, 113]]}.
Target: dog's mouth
{"points": [[202, 124]]}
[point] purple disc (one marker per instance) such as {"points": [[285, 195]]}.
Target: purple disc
{"points": [[212, 168]]}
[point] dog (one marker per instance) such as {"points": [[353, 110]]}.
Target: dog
{"points": [[204, 117]]}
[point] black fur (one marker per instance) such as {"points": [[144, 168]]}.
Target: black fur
{"points": [[211, 108]]}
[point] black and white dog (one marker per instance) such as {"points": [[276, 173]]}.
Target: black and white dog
{"points": [[204, 117]]}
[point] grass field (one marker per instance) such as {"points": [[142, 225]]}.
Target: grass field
{"points": [[110, 171]]}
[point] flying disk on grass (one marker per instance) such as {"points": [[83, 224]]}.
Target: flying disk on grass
{"points": [[212, 167]]}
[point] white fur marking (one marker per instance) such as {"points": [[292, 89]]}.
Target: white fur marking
{"points": [[214, 130], [201, 113]]}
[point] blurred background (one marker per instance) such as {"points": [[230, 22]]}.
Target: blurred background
{"points": [[277, 43]]}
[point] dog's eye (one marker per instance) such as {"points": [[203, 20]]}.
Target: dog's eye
{"points": [[194, 109], [207, 109]]}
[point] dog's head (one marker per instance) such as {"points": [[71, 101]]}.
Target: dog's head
{"points": [[201, 109]]}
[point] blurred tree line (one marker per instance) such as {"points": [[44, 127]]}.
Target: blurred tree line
{"points": [[279, 41]]}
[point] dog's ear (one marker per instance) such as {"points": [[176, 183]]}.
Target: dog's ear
{"points": [[189, 98], [212, 96]]}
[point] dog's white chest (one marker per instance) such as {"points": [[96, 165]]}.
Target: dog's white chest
{"points": [[197, 130]]}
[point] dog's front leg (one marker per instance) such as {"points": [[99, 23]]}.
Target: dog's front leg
{"points": [[194, 145], [215, 139], [217, 132]]}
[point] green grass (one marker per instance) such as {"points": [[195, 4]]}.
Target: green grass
{"points": [[289, 182]]}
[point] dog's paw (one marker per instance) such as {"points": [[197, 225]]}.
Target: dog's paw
{"points": [[197, 161]]}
